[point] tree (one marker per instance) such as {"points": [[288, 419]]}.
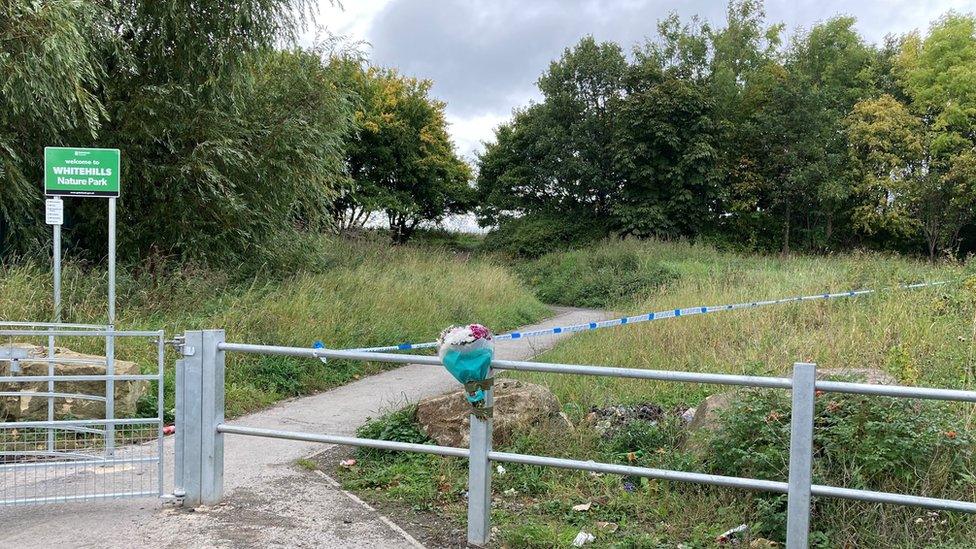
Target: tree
{"points": [[556, 156], [834, 62], [225, 140], [50, 71], [785, 136], [401, 160], [666, 141], [939, 75], [887, 145], [921, 153]]}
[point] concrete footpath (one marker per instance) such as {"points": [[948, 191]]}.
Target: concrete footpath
{"points": [[268, 500]]}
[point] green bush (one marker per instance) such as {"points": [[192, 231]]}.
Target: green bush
{"points": [[862, 442], [399, 426], [640, 439], [535, 235], [593, 277]]}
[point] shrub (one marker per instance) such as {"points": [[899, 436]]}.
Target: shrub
{"points": [[399, 426], [535, 235], [640, 438], [593, 277], [863, 442]]}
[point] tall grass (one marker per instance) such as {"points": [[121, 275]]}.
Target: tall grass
{"points": [[366, 295], [920, 337]]}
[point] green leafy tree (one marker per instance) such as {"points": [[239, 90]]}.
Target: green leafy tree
{"points": [[556, 156], [939, 75], [225, 140], [835, 63], [50, 70], [917, 154], [401, 160], [887, 144], [666, 140]]}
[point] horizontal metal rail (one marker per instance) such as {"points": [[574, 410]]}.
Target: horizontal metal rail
{"points": [[55, 359], [47, 453], [94, 377], [79, 396], [79, 333], [76, 429], [77, 463], [736, 482], [647, 472], [633, 373], [344, 440], [62, 325], [79, 422], [86, 497], [609, 468]]}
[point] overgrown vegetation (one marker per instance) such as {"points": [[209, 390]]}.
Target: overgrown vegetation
{"points": [[871, 443], [538, 234], [360, 294], [920, 337], [597, 276]]}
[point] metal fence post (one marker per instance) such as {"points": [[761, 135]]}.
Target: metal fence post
{"points": [[201, 411], [479, 476], [213, 415], [801, 456], [179, 420]]}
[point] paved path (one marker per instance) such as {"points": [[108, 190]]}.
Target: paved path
{"points": [[269, 501]]}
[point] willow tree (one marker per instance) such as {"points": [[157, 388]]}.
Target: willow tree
{"points": [[225, 139], [50, 74]]}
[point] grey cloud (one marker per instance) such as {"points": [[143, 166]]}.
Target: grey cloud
{"points": [[486, 56]]}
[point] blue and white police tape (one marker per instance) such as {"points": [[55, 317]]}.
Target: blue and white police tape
{"points": [[657, 315]]}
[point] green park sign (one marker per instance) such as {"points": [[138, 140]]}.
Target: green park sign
{"points": [[72, 171]]}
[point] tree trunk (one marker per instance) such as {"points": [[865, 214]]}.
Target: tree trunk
{"points": [[786, 232]]}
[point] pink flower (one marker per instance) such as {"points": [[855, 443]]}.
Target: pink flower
{"points": [[479, 331]]}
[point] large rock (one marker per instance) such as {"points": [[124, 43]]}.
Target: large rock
{"points": [[706, 414], [28, 408], [445, 418]]}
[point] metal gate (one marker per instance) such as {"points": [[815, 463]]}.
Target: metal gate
{"points": [[60, 438]]}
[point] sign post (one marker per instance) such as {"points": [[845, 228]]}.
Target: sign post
{"points": [[84, 172], [54, 216]]}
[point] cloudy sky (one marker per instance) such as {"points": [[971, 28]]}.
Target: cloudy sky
{"points": [[485, 56]]}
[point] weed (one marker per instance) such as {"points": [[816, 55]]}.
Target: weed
{"points": [[593, 277]]}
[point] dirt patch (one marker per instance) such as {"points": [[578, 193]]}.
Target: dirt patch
{"points": [[429, 527]]}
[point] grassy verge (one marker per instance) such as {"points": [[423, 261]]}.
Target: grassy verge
{"points": [[360, 294], [920, 337]]}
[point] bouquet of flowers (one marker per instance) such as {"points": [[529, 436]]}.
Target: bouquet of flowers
{"points": [[466, 352]]}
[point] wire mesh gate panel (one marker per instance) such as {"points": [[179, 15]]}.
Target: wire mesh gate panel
{"points": [[60, 440]]}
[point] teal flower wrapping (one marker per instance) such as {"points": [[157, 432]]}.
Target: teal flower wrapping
{"points": [[467, 352]]}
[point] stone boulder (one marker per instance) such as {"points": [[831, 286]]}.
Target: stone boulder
{"points": [[518, 405], [705, 415], [32, 408]]}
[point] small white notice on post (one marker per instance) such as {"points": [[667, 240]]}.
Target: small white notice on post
{"points": [[54, 211]]}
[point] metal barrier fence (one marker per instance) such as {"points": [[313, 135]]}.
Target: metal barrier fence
{"points": [[201, 428], [65, 460]]}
